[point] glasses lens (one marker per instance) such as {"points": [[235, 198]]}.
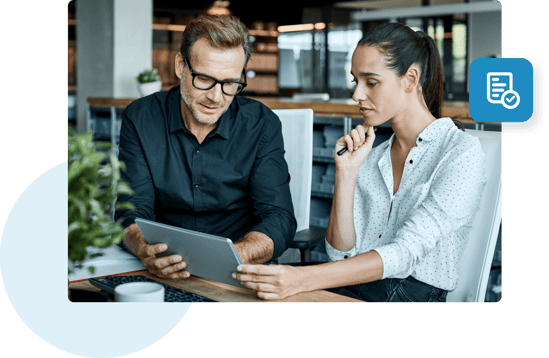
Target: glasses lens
{"points": [[203, 82], [232, 88]]}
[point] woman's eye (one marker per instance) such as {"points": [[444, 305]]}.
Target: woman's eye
{"points": [[372, 84]]}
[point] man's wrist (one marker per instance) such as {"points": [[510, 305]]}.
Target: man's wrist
{"points": [[254, 248], [240, 250]]}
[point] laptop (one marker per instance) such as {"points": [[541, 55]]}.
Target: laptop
{"points": [[207, 256]]}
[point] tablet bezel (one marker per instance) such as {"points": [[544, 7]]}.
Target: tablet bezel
{"points": [[208, 256]]}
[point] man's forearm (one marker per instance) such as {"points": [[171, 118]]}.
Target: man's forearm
{"points": [[133, 239], [255, 248]]}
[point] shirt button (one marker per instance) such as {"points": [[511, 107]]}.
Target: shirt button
{"points": [[196, 185], [345, 256], [411, 161], [380, 236], [420, 139]]}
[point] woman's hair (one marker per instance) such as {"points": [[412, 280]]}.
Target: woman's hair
{"points": [[402, 47], [221, 32]]}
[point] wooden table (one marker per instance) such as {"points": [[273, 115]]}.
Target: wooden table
{"points": [[222, 292]]}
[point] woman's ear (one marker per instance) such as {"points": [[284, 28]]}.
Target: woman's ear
{"points": [[411, 78], [179, 65]]}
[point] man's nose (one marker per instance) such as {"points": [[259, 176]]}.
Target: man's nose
{"points": [[215, 94]]}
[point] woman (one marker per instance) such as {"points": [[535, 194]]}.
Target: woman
{"points": [[401, 212]]}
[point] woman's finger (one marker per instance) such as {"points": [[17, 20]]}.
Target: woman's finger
{"points": [[355, 136], [349, 144], [268, 296], [361, 132], [254, 278], [257, 269], [263, 287], [370, 136]]}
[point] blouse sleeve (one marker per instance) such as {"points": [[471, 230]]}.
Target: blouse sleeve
{"points": [[451, 202]]}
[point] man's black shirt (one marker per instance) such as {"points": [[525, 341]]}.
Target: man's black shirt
{"points": [[234, 182]]}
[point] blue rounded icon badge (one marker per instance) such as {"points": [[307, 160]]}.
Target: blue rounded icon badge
{"points": [[501, 90]]}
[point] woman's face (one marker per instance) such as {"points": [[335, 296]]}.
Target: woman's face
{"points": [[379, 91]]}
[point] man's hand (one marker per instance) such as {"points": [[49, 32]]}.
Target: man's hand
{"points": [[170, 267]]}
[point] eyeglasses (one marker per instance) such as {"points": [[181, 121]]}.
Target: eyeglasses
{"points": [[205, 82]]}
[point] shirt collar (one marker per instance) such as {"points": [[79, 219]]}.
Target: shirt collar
{"points": [[176, 118], [174, 110], [437, 128]]}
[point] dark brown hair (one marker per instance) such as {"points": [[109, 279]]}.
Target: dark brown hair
{"points": [[403, 47], [221, 31]]}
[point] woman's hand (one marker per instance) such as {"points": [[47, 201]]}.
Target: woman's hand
{"points": [[271, 282], [359, 144]]}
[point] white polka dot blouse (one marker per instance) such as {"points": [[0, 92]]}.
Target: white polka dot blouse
{"points": [[421, 230]]}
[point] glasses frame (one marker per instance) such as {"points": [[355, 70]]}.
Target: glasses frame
{"points": [[216, 81]]}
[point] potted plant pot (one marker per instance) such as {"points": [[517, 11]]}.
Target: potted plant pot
{"points": [[148, 88], [149, 82]]}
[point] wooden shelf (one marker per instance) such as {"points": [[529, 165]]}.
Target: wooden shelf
{"points": [[335, 109], [263, 33], [325, 109], [169, 27], [263, 72]]}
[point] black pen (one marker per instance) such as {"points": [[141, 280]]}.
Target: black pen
{"points": [[342, 151]]}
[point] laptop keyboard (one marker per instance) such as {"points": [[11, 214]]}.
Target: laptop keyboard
{"points": [[171, 294]]}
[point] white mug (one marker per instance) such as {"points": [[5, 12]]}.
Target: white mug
{"points": [[139, 292]]}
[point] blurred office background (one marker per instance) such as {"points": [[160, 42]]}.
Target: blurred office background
{"points": [[302, 52]]}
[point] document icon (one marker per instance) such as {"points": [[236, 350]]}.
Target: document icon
{"points": [[498, 82], [500, 89], [494, 88]]}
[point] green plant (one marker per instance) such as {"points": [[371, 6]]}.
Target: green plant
{"points": [[148, 76], [94, 183]]}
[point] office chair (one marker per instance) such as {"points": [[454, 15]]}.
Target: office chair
{"points": [[474, 267], [297, 131]]}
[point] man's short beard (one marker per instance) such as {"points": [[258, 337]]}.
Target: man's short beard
{"points": [[186, 99]]}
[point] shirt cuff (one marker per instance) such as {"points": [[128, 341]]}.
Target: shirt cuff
{"points": [[278, 242], [336, 255], [395, 262]]}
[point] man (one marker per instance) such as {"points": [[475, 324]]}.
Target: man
{"points": [[202, 158]]}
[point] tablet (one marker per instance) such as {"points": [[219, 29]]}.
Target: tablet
{"points": [[207, 256]]}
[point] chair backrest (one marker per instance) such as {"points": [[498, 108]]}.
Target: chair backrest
{"points": [[474, 267], [297, 131]]}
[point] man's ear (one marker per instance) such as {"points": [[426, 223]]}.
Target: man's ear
{"points": [[411, 78], [179, 65]]}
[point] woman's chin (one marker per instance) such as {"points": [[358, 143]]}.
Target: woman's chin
{"points": [[373, 120]]}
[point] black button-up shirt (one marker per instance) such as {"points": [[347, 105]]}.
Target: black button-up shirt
{"points": [[234, 182]]}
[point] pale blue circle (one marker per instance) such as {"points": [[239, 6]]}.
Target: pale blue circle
{"points": [[33, 258]]}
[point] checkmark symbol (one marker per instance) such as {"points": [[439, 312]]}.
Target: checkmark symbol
{"points": [[510, 99]]}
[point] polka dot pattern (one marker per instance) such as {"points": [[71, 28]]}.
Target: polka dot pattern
{"points": [[422, 229]]}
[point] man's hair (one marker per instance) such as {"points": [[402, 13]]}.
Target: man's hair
{"points": [[221, 32]]}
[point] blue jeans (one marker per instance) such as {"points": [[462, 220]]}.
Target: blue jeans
{"points": [[394, 290]]}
